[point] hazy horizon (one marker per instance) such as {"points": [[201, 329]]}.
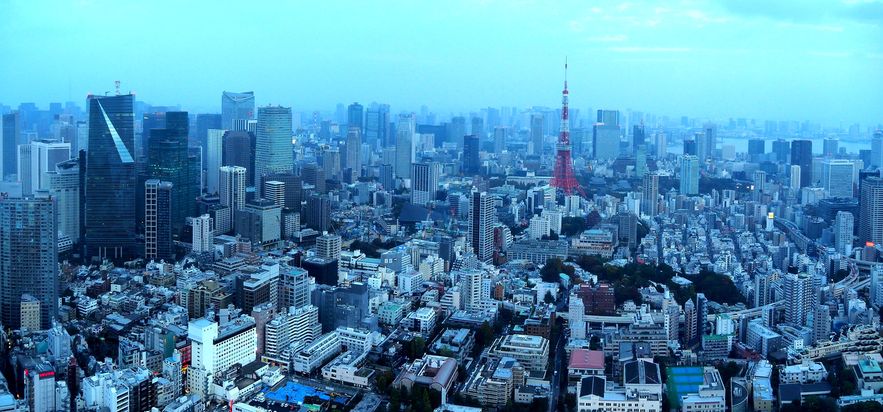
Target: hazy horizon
{"points": [[790, 60]]}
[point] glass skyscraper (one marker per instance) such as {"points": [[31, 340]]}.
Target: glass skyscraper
{"points": [[110, 178], [28, 258], [273, 142], [167, 160], [236, 110]]}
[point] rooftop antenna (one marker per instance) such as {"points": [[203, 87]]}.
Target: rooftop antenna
{"points": [[116, 84]]}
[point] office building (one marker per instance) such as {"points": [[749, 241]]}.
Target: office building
{"points": [[536, 134], [260, 221], [844, 225], [292, 325], [239, 149], [294, 287], [829, 147], [274, 191], [314, 175], [650, 195], [169, 160], [532, 352], [500, 133], [456, 131], [471, 158], [876, 285], [353, 159], [424, 182], [273, 141], [64, 187], [355, 117], [158, 205], [605, 141], [756, 149], [214, 158], [28, 258], [199, 136], [203, 227], [481, 220], [801, 155], [236, 110], [876, 151], [231, 190], [318, 213], [689, 175], [293, 189], [871, 211], [404, 153], [377, 126], [37, 158], [110, 179], [10, 129], [837, 177]]}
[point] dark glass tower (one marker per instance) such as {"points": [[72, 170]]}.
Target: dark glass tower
{"points": [[204, 122], [110, 179], [471, 160], [356, 117], [239, 151], [9, 146], [168, 161], [28, 258], [801, 155]]}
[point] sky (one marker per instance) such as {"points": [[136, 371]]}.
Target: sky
{"points": [[782, 59]]}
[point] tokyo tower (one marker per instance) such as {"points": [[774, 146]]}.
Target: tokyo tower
{"points": [[563, 177]]}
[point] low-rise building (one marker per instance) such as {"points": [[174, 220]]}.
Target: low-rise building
{"points": [[805, 372], [437, 373], [308, 358], [532, 352], [584, 362], [346, 368], [454, 343], [494, 381]]}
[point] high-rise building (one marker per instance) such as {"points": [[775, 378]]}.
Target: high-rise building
{"points": [[876, 150], [689, 175], [837, 175], [28, 258], [781, 149], [710, 141], [471, 159], [215, 348], [377, 126], [759, 179], [314, 175], [536, 134], [158, 206], [605, 141], [844, 225], [870, 227], [353, 159], [801, 155], [500, 139], [169, 161], [876, 285], [293, 186], [273, 141], [456, 131], [478, 128], [202, 233], [424, 182], [756, 149], [239, 148], [214, 158], [404, 146], [820, 322], [64, 186], [260, 221], [799, 298], [762, 289], [9, 133], [690, 147], [638, 137], [794, 173], [481, 221], [318, 213], [199, 137], [37, 158], [231, 189], [650, 194], [328, 246], [829, 147], [294, 287], [355, 117], [236, 110], [110, 179], [274, 191], [387, 179]]}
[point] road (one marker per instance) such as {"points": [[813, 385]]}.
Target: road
{"points": [[558, 363]]}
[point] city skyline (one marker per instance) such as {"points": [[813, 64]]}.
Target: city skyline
{"points": [[764, 61]]}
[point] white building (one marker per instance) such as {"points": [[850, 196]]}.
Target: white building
{"points": [[35, 159], [539, 227], [203, 237], [214, 348], [295, 325], [424, 182], [837, 177], [532, 352], [806, 372], [310, 357], [422, 320]]}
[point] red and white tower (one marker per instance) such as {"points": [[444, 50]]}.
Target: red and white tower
{"points": [[563, 177]]}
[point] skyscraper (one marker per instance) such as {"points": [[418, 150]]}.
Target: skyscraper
{"points": [[318, 213], [169, 161], [328, 246], [28, 258], [355, 117], [870, 227], [236, 110], [273, 141], [536, 134], [377, 125], [801, 155], [424, 182], [471, 158], [404, 146], [844, 225], [500, 139], [799, 298], [456, 131], [37, 158], [239, 148], [110, 179], [64, 186], [756, 149], [781, 148], [158, 206], [689, 175], [204, 123], [837, 177], [478, 128], [231, 189], [638, 137], [9, 146], [876, 150], [203, 226], [481, 220], [214, 158], [314, 175], [354, 150], [829, 147], [605, 141], [649, 195]]}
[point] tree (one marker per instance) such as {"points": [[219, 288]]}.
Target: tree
{"points": [[553, 268], [572, 226], [549, 298], [867, 406]]}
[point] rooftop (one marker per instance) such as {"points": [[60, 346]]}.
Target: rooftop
{"points": [[586, 359]]}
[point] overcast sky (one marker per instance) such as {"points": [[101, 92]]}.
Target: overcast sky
{"points": [[781, 59]]}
